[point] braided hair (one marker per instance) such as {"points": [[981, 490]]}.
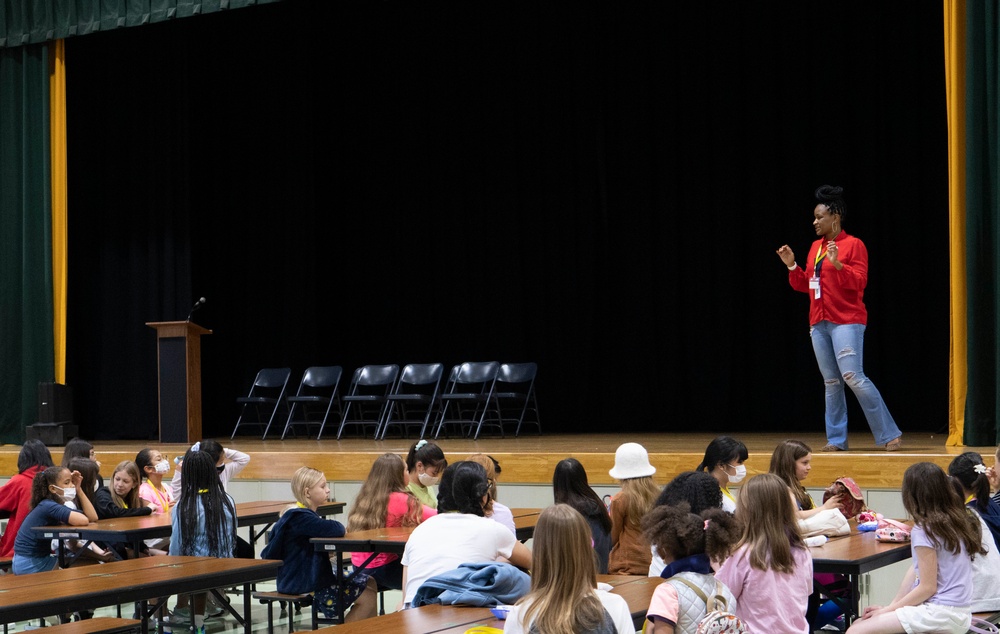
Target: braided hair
{"points": [[202, 492], [833, 197]]}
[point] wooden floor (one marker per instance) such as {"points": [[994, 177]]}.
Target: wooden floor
{"points": [[531, 459]]}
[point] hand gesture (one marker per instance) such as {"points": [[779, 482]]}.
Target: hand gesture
{"points": [[786, 255], [870, 611], [77, 478], [832, 253], [833, 502], [994, 478]]}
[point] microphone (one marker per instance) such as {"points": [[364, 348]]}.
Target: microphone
{"points": [[198, 304]]}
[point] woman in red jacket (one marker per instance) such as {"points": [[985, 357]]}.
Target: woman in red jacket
{"points": [[835, 281], [15, 496]]}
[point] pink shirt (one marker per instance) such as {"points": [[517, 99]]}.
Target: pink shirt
{"points": [[664, 603], [398, 505], [767, 600], [160, 500]]}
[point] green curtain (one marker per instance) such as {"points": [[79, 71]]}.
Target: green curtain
{"points": [[982, 408], [26, 343], [35, 21]]}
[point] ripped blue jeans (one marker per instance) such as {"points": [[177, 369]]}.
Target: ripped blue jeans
{"points": [[839, 352]]}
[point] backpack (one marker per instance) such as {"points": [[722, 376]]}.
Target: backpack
{"points": [[852, 501], [718, 619]]}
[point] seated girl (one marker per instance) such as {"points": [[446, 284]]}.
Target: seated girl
{"points": [[203, 522], [305, 570], [384, 501], [121, 499], [570, 486], [564, 598], [460, 533], [50, 490], [689, 544]]}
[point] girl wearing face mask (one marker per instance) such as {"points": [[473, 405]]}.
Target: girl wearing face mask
{"points": [[153, 466], [50, 490], [424, 464], [724, 458]]}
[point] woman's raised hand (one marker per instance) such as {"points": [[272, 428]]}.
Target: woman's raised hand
{"points": [[786, 255], [832, 253]]}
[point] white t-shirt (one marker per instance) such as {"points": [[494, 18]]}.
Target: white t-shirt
{"points": [[986, 574], [447, 540], [613, 603], [656, 563], [504, 516]]}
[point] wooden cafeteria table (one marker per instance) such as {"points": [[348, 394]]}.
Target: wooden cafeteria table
{"points": [[854, 555], [455, 619], [41, 594], [392, 541], [135, 530]]}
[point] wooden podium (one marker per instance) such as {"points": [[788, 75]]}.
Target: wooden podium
{"points": [[178, 360]]}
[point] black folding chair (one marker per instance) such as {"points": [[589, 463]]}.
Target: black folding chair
{"points": [[266, 395], [467, 398], [368, 398], [515, 395], [316, 397], [413, 398]]}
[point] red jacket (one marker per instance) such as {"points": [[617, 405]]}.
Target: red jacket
{"points": [[15, 498], [841, 292]]}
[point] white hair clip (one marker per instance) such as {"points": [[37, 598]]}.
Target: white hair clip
{"points": [[979, 468]]}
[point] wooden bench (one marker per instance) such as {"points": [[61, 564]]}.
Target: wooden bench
{"points": [[97, 625]]}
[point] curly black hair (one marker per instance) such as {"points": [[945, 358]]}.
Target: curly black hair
{"points": [[676, 532], [699, 489]]}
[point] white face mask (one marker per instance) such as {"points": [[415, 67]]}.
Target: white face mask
{"points": [[162, 466], [741, 472], [427, 480], [67, 494]]}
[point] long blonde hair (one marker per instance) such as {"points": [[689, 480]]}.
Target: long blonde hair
{"points": [[562, 599], [638, 496], [131, 500], [770, 526], [371, 506]]}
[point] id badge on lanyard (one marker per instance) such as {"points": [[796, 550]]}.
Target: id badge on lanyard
{"points": [[814, 280]]}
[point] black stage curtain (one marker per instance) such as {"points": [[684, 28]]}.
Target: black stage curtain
{"points": [[598, 187]]}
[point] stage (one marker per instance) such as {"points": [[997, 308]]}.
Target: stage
{"points": [[531, 459]]}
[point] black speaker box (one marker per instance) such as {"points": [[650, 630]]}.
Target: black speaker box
{"points": [[51, 434], [55, 403]]}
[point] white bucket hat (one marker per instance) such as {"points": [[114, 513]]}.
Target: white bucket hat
{"points": [[631, 461]]}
